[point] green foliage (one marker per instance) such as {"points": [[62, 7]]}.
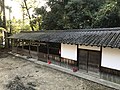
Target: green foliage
{"points": [[36, 23], [17, 26], [107, 16], [54, 18], [80, 14], [75, 14]]}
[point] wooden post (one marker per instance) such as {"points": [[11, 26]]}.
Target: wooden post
{"points": [[29, 46], [100, 60], [37, 48], [22, 44], [13, 44], [87, 60], [60, 54], [77, 55], [17, 44], [47, 51]]}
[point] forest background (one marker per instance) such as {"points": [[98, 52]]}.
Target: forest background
{"points": [[62, 15]]}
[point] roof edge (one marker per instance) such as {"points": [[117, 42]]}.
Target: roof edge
{"points": [[76, 30]]}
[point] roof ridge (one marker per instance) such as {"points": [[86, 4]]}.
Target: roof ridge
{"points": [[76, 30]]}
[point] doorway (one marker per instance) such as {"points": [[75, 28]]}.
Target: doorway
{"points": [[89, 60]]}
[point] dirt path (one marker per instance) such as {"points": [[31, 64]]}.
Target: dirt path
{"points": [[31, 76]]}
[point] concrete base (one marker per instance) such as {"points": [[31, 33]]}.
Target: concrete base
{"points": [[69, 71]]}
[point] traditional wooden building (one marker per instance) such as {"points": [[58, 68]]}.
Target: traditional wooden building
{"points": [[94, 51]]}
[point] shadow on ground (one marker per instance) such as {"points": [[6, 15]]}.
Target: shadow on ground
{"points": [[3, 53]]}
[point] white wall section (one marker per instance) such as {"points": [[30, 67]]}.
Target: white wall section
{"points": [[89, 47], [111, 58], [69, 51]]}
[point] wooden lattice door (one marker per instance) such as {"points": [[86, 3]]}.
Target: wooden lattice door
{"points": [[89, 60], [83, 54], [94, 61]]}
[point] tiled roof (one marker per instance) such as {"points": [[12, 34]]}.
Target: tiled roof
{"points": [[107, 37]]}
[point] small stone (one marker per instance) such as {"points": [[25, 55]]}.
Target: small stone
{"points": [[37, 71], [23, 76], [30, 88], [31, 84]]}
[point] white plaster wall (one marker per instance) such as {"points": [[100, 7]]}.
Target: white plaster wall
{"points": [[89, 47], [69, 51], [111, 58]]}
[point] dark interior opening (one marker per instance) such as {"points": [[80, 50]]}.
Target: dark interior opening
{"points": [[43, 48], [26, 47], [33, 48], [54, 48]]}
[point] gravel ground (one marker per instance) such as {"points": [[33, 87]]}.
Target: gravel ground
{"points": [[18, 74]]}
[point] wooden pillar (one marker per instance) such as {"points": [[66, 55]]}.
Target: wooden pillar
{"points": [[60, 54], [37, 48], [77, 55], [17, 44], [47, 51], [87, 60], [22, 44], [100, 59], [29, 46], [12, 44]]}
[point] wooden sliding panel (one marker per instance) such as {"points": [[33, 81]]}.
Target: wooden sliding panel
{"points": [[94, 61], [89, 60], [83, 58]]}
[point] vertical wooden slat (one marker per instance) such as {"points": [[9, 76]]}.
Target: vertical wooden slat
{"points": [[83, 59]]}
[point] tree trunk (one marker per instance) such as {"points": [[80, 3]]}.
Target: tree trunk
{"points": [[4, 25], [28, 15]]}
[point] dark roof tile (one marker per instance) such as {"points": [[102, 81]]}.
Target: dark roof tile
{"points": [[95, 37]]}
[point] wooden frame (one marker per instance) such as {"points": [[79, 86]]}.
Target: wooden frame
{"points": [[88, 60]]}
